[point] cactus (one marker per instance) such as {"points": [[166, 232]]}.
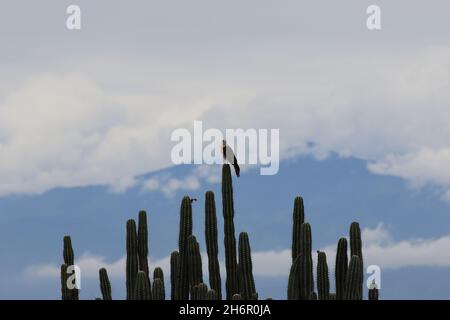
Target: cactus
{"points": [[158, 290], [373, 291], [246, 280], [158, 273], [215, 281], [356, 249], [237, 296], [232, 284], [65, 292], [142, 242], [353, 279], [294, 280], [341, 268], [174, 269], [132, 259], [202, 291], [142, 289], [185, 232], [212, 295], [194, 263], [332, 296], [69, 261], [105, 285], [323, 282], [298, 219], [306, 267]]}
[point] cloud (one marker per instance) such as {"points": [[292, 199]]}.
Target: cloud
{"points": [[170, 185], [379, 248], [389, 108]]}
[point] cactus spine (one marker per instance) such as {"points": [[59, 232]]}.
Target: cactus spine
{"points": [[356, 250], [185, 232], [246, 279], [298, 219], [142, 289], [232, 284], [323, 282], [215, 281], [341, 268], [132, 259], [353, 279], [105, 285]]}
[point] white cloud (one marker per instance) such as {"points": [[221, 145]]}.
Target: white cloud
{"points": [[94, 128], [378, 248]]}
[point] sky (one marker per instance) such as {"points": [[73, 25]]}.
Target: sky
{"points": [[86, 118]]}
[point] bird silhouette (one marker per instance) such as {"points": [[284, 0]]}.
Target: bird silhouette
{"points": [[229, 156]]}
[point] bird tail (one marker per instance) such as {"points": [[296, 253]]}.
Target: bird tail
{"points": [[237, 169]]}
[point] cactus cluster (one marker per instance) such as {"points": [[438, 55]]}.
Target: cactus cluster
{"points": [[186, 273]]}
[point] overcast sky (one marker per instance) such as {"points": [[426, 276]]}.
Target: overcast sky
{"points": [[97, 106]]}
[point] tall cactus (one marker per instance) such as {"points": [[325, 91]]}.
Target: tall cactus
{"points": [[194, 263], [158, 290], [142, 240], [142, 289], [232, 284], [356, 250], [306, 273], [294, 280], [202, 291], [158, 273], [211, 295], [298, 219], [185, 232], [174, 269], [132, 259], [246, 279], [65, 292], [323, 282], [69, 261], [341, 268], [353, 280], [215, 281], [105, 285]]}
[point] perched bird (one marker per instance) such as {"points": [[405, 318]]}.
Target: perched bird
{"points": [[229, 156], [193, 199]]}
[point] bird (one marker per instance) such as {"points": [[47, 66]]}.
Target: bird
{"points": [[193, 199], [229, 156]]}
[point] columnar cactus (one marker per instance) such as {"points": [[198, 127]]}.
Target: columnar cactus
{"points": [[185, 232], [65, 292], [298, 219], [294, 280], [142, 239], [353, 279], [194, 262], [246, 279], [306, 266], [69, 261], [341, 268], [323, 282], [158, 273], [105, 285], [373, 291], [142, 289], [132, 259], [356, 250], [174, 269], [232, 284], [215, 281], [211, 295], [158, 290], [202, 291]]}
